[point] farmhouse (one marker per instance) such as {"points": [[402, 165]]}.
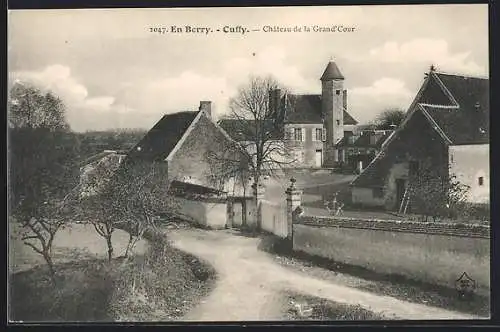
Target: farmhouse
{"points": [[446, 129], [193, 149], [313, 128], [189, 147]]}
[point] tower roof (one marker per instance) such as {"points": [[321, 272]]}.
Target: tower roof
{"points": [[332, 72]]}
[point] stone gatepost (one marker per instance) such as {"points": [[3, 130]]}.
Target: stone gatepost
{"points": [[258, 191], [293, 201], [254, 221]]}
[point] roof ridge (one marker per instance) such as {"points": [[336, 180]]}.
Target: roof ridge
{"points": [[439, 106], [481, 77], [435, 125], [445, 89]]}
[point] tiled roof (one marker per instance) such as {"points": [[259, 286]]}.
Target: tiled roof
{"points": [[244, 130], [461, 126], [163, 137], [332, 72], [465, 123], [303, 109], [308, 109], [469, 123]]}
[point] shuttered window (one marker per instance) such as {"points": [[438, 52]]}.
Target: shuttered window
{"points": [[297, 134], [319, 134]]}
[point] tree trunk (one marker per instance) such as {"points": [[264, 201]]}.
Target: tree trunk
{"points": [[129, 244], [50, 264], [110, 248]]}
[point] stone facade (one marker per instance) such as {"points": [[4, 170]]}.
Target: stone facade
{"points": [[202, 155], [332, 99], [471, 165], [393, 164], [309, 150]]}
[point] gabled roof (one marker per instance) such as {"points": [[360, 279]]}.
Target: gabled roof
{"points": [[468, 121], [308, 109], [456, 106], [332, 72], [244, 129], [163, 137]]}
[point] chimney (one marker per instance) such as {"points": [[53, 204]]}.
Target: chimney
{"points": [[274, 101], [207, 107], [344, 100]]}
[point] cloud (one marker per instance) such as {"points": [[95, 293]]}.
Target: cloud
{"points": [[383, 87], [182, 92], [185, 90], [58, 79], [147, 97], [368, 101], [426, 50]]}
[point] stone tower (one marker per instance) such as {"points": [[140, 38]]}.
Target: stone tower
{"points": [[332, 99]]}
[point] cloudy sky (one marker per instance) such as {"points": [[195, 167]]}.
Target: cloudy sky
{"points": [[112, 72]]}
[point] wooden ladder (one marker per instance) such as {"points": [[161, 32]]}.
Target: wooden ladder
{"points": [[405, 201]]}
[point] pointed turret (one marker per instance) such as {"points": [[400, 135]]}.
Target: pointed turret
{"points": [[332, 72]]}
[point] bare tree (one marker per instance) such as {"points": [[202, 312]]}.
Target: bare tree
{"points": [[260, 126], [42, 167], [129, 195], [436, 194], [142, 193], [97, 201], [38, 233]]}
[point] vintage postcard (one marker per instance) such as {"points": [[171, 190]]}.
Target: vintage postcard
{"points": [[320, 163]]}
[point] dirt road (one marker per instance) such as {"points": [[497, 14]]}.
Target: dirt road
{"points": [[250, 283]]}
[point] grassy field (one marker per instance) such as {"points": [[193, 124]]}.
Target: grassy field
{"points": [[159, 283], [75, 242]]}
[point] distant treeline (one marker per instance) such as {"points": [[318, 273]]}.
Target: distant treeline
{"points": [[93, 142]]}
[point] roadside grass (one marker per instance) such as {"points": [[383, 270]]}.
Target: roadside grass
{"points": [[393, 285], [305, 307], [82, 293], [160, 283]]}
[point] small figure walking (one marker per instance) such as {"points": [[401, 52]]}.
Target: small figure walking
{"points": [[334, 206]]}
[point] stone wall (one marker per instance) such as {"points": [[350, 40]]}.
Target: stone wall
{"points": [[211, 213], [428, 252]]}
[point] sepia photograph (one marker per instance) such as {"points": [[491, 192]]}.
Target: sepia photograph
{"points": [[249, 164]]}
